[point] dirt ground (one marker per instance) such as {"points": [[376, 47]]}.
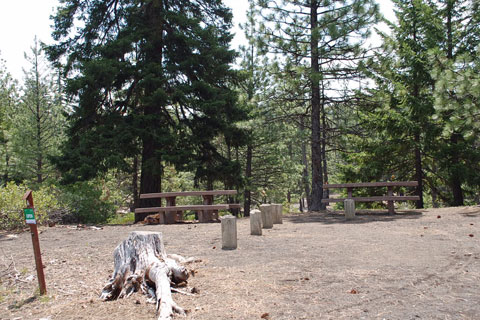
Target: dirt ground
{"points": [[417, 264]]}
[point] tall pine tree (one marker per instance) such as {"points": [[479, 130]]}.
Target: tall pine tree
{"points": [[149, 77], [327, 37]]}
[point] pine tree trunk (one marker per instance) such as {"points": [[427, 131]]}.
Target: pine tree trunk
{"points": [[418, 172], [317, 179], [136, 197], [151, 175], [326, 192], [455, 181], [305, 181], [248, 175]]}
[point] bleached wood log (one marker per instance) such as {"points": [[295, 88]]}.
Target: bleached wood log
{"points": [[256, 222], [140, 262], [267, 216], [229, 232]]}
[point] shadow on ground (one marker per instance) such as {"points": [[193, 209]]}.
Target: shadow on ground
{"points": [[362, 216]]}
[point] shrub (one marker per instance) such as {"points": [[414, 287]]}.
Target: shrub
{"points": [[85, 204], [11, 205]]}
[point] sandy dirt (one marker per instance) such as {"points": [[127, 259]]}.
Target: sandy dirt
{"points": [[417, 264]]}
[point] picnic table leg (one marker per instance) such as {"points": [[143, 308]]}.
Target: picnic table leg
{"points": [[207, 215], [390, 206], [172, 217], [350, 192]]}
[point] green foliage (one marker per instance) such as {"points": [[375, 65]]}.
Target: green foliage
{"points": [[8, 102], [11, 205], [122, 218], [85, 202], [151, 78], [37, 121]]}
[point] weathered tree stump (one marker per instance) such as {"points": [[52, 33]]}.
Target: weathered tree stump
{"points": [[141, 263]]}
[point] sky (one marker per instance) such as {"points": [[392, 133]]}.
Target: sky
{"points": [[22, 20]]}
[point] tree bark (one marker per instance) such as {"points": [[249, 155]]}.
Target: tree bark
{"points": [[151, 166], [317, 178], [248, 176], [141, 263], [418, 172], [326, 192], [136, 197], [305, 181], [455, 181]]}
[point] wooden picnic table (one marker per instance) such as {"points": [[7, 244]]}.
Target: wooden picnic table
{"points": [[172, 213], [390, 197]]}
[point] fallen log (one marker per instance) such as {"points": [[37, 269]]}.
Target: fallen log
{"points": [[141, 263]]}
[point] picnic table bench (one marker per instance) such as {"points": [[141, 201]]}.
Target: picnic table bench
{"points": [[172, 213], [390, 197]]}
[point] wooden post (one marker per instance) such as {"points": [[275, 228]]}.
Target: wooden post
{"points": [[277, 216], [28, 197], [267, 219], [390, 206], [207, 215], [229, 232], [349, 205], [172, 216], [350, 192], [256, 223]]}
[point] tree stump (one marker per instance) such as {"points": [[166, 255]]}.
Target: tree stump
{"points": [[140, 263]]}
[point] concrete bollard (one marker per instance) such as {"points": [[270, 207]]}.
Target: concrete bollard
{"points": [[229, 232], [267, 216], [278, 212], [256, 223], [349, 205]]}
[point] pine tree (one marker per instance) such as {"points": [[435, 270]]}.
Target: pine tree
{"points": [[38, 121], [327, 37], [149, 77], [8, 103], [455, 59], [400, 126]]}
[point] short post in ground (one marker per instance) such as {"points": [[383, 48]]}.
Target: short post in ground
{"points": [[267, 216], [349, 205], [256, 223], [32, 223], [229, 232], [278, 212]]}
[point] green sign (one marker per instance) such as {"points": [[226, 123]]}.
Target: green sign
{"points": [[29, 216]]}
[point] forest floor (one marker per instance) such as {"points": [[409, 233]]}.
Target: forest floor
{"points": [[416, 264]]}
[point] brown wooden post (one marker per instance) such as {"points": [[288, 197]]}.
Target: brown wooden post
{"points": [[391, 207], [350, 192], [207, 215], [178, 215], [28, 197]]}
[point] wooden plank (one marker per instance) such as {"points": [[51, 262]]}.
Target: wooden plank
{"points": [[187, 193], [234, 205], [183, 208], [372, 184], [373, 199]]}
